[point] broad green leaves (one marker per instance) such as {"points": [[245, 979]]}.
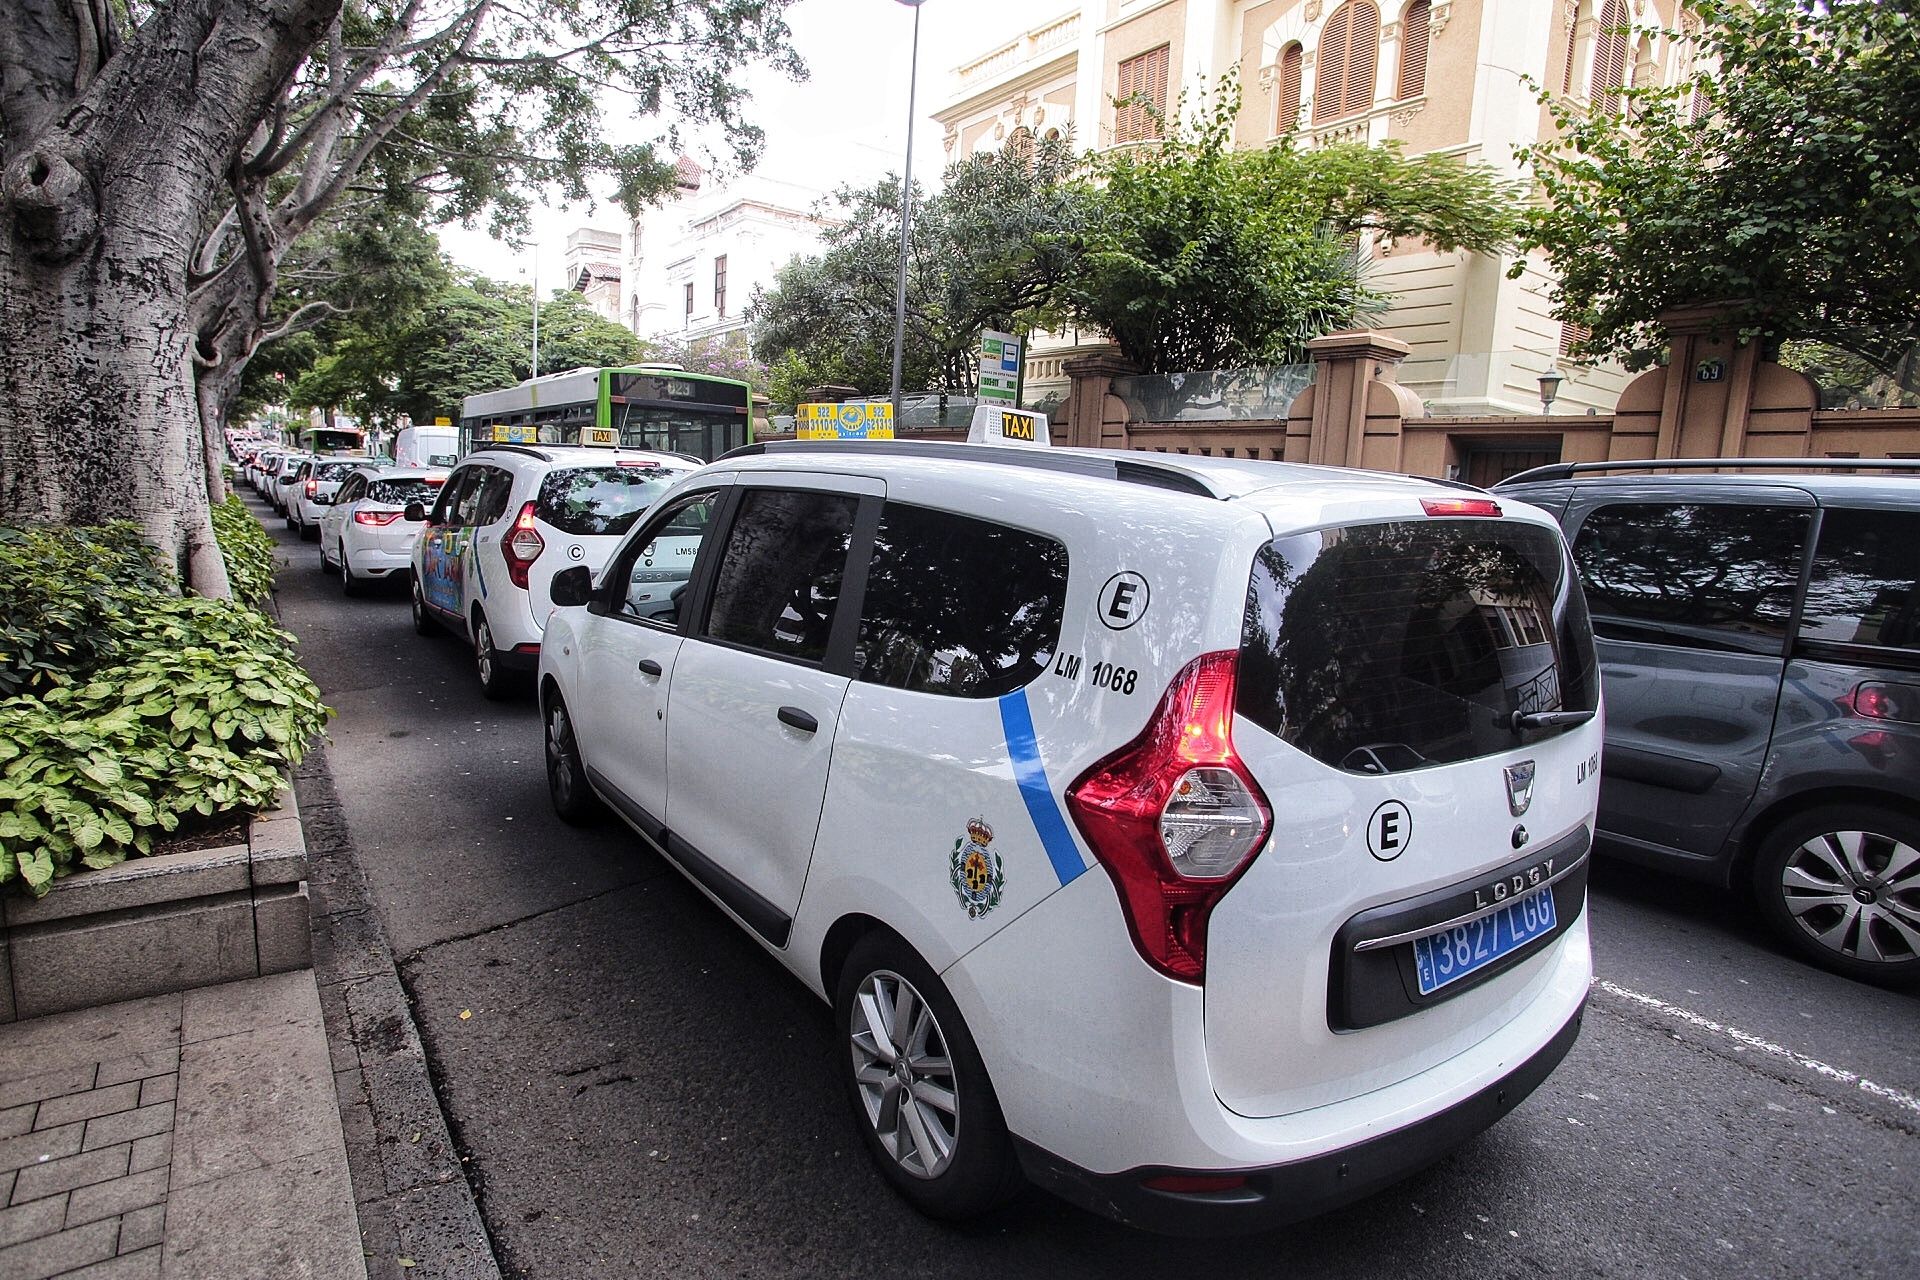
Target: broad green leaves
{"points": [[1784, 183], [168, 705]]}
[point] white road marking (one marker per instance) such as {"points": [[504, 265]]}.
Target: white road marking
{"points": [[1742, 1039]]}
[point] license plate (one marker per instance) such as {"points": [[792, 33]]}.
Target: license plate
{"points": [[1452, 954]]}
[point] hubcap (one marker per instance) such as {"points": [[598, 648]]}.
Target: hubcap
{"points": [[1857, 893], [483, 652], [905, 1075], [560, 753]]}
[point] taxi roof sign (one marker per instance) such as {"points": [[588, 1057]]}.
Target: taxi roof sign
{"points": [[993, 424]]}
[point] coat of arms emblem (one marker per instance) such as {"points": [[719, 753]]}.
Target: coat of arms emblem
{"points": [[975, 870]]}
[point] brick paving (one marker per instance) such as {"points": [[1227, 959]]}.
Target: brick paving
{"points": [[187, 1135], [77, 1204]]}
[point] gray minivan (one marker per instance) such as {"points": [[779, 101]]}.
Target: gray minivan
{"points": [[1759, 638]]}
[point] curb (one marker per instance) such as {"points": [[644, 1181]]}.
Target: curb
{"points": [[418, 1216]]}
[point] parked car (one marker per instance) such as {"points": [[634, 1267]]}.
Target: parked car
{"points": [[509, 517], [1204, 840], [316, 480], [1760, 635], [279, 482], [366, 526], [258, 466]]}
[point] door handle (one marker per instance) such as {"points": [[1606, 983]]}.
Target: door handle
{"points": [[799, 719], [649, 667]]}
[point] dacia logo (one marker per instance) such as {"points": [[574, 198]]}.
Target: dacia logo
{"points": [[1519, 787]]}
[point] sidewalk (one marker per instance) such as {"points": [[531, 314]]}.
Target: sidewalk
{"points": [[188, 1135]]}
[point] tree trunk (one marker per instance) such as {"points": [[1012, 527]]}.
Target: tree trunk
{"points": [[108, 166]]}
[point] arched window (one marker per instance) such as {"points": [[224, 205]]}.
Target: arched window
{"points": [[1413, 50], [1286, 110], [1610, 56], [1573, 51], [1349, 56]]}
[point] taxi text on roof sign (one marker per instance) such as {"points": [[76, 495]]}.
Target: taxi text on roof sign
{"points": [[993, 424], [853, 421]]}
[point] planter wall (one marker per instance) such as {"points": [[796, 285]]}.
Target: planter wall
{"points": [[167, 923]]}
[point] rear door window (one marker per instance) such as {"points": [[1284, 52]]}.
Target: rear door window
{"points": [[399, 493], [959, 606], [600, 501], [1383, 647], [1866, 580], [778, 585], [1718, 576]]}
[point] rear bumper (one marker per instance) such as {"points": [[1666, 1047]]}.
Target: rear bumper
{"points": [[1283, 1193]]}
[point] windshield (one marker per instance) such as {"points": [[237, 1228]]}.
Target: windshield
{"points": [[700, 432], [332, 471], [1383, 647], [399, 493], [595, 501]]}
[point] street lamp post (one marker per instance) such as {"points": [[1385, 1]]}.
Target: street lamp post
{"points": [[536, 307], [906, 218], [1550, 387]]}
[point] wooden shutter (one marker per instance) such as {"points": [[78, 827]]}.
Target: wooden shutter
{"points": [[1287, 113], [1143, 79], [1336, 39], [1363, 59], [1413, 51], [1571, 334], [1573, 51], [1610, 56]]}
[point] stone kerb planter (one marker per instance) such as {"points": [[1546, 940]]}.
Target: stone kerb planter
{"points": [[160, 924]]}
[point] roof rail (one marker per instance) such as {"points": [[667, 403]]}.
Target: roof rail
{"points": [[1142, 468], [1567, 470], [503, 446]]}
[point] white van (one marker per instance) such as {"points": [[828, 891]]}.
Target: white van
{"points": [[426, 447]]}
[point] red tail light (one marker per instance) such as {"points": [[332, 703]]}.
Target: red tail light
{"points": [[1175, 818], [1460, 506], [378, 519], [522, 547], [313, 488]]}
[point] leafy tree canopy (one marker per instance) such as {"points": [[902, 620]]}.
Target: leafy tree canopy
{"points": [[1783, 181], [1196, 256]]}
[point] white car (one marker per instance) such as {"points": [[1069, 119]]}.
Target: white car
{"points": [[1204, 840], [364, 530], [279, 481], [508, 519], [314, 484]]}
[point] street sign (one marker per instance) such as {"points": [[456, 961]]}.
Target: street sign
{"points": [[999, 368], [849, 421]]}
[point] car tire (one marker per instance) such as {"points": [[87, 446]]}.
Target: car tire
{"points": [[422, 620], [1841, 885], [936, 1133], [326, 565], [567, 785], [349, 584], [310, 533], [292, 522], [495, 680]]}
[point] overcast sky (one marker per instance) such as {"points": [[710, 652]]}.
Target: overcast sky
{"points": [[848, 122]]}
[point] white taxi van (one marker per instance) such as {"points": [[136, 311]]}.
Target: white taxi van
{"points": [[1202, 840]]}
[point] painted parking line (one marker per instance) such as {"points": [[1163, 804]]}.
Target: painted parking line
{"points": [[1898, 1097]]}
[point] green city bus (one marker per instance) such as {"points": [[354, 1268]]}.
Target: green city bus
{"points": [[642, 407]]}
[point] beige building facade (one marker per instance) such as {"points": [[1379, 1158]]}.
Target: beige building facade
{"points": [[1458, 78]]}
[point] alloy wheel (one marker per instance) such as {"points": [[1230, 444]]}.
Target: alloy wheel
{"points": [[483, 652], [560, 756], [905, 1074], [1856, 893]]}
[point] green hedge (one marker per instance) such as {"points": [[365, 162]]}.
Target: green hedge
{"points": [[248, 549], [126, 706]]}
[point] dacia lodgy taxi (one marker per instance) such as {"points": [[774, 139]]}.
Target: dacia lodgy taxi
{"points": [[1204, 840]]}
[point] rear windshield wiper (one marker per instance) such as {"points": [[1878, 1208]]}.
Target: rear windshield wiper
{"points": [[1548, 719]]}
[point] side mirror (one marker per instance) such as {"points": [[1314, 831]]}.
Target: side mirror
{"points": [[571, 586], [415, 512], [286, 479]]}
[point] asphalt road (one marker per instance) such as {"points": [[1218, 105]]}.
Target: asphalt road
{"points": [[639, 1091]]}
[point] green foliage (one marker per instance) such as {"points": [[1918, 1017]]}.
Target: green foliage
{"points": [[1197, 256], [1783, 182], [467, 337], [159, 706], [248, 549], [60, 591], [987, 252]]}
